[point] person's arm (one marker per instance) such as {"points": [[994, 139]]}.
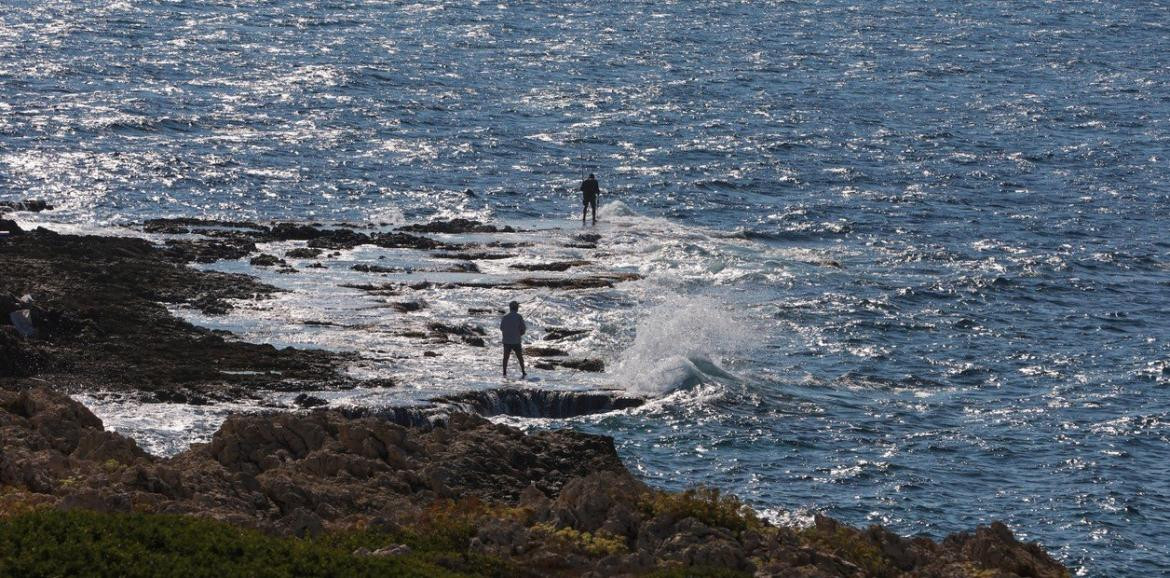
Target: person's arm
{"points": [[523, 327]]}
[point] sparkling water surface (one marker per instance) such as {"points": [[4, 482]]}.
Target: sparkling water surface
{"points": [[905, 263]]}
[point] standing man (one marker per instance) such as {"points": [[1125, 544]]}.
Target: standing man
{"points": [[512, 327], [589, 192]]}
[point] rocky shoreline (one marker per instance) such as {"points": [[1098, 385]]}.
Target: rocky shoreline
{"points": [[87, 314]]}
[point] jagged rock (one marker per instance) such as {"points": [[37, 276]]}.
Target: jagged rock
{"points": [[366, 268], [537, 402], [554, 266], [298, 474], [590, 365], [457, 225], [537, 351], [465, 330], [30, 205], [305, 400], [577, 283], [9, 227], [557, 334], [105, 294], [408, 306], [404, 241], [474, 256], [266, 260], [185, 225], [303, 253], [208, 250]]}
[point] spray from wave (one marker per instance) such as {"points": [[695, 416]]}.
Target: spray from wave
{"points": [[682, 343]]}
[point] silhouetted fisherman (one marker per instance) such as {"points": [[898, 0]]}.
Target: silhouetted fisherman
{"points": [[512, 327], [589, 192]]}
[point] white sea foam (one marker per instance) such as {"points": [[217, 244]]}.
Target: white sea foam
{"points": [[681, 343]]}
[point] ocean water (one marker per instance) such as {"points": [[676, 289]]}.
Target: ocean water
{"points": [[904, 263]]}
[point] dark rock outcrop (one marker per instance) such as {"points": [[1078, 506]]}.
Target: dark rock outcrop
{"points": [[592, 365], [456, 226], [29, 205], [100, 323], [207, 250], [554, 266], [537, 402]]}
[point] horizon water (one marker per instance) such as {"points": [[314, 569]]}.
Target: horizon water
{"points": [[902, 263]]}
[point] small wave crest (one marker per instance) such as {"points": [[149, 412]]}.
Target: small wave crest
{"points": [[679, 345], [616, 209]]}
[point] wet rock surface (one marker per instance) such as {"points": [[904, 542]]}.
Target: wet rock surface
{"points": [[537, 402], [456, 226], [549, 503], [29, 205], [100, 324]]}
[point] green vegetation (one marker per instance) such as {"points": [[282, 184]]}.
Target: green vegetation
{"points": [[592, 544], [697, 572], [847, 544], [706, 505], [78, 543]]}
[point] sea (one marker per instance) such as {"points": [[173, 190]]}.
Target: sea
{"points": [[903, 263]]}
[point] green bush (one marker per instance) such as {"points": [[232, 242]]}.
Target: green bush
{"points": [[53, 543], [706, 505], [850, 545]]}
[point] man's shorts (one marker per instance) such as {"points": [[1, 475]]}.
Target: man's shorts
{"points": [[590, 201], [519, 349]]}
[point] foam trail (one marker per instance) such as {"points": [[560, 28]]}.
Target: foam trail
{"points": [[678, 345]]}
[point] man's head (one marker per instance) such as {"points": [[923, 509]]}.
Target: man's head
{"points": [[591, 175], [514, 306]]}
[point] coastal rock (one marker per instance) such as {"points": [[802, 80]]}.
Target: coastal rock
{"points": [[208, 250], [558, 333], [591, 364], [537, 402], [9, 227], [457, 225], [266, 260], [303, 253], [29, 205], [106, 293], [554, 266], [556, 498]]}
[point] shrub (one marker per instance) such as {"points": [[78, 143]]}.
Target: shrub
{"points": [[706, 505], [592, 544], [850, 545], [80, 543]]}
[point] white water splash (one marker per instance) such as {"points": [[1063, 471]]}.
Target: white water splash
{"points": [[682, 343]]}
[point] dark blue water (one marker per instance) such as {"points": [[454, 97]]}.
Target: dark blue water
{"points": [[991, 178]]}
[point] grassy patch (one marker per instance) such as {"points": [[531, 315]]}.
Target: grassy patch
{"points": [[596, 544], [53, 543], [697, 572]]}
